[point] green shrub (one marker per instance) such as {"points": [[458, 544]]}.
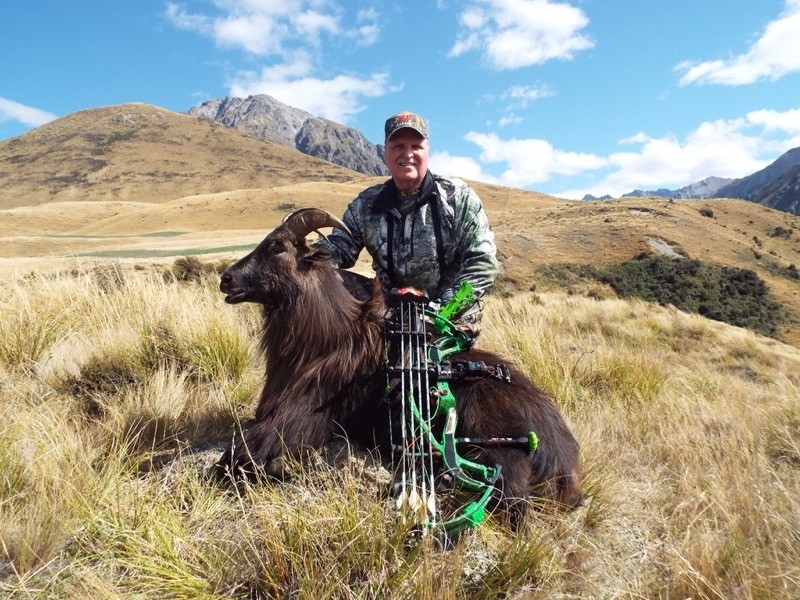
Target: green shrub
{"points": [[781, 232], [735, 296], [707, 212]]}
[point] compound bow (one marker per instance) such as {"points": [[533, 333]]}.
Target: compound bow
{"points": [[429, 459]]}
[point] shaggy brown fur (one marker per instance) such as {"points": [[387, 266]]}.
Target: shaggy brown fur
{"points": [[323, 340]]}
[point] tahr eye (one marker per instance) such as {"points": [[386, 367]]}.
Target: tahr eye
{"points": [[277, 249]]}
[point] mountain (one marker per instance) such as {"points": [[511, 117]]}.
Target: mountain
{"points": [[707, 188], [265, 117], [747, 187], [659, 193], [139, 152], [782, 193]]}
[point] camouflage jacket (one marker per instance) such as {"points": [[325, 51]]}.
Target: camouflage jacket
{"points": [[380, 219]]}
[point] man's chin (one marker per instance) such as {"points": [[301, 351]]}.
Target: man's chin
{"points": [[406, 182]]}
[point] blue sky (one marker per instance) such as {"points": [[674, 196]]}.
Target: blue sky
{"points": [[563, 97]]}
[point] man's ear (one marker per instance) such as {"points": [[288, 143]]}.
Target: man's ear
{"points": [[317, 254]]}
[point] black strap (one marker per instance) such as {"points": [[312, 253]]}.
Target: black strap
{"points": [[437, 231], [390, 246]]}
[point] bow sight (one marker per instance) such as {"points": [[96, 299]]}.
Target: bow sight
{"points": [[419, 369]]}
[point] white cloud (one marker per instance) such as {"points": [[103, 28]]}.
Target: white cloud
{"points": [[274, 27], [368, 31], [183, 20], [722, 148], [337, 98], [531, 161], [517, 98], [774, 54], [637, 138], [520, 33], [775, 121], [291, 32], [257, 34], [445, 163], [522, 95], [14, 111], [509, 119]]}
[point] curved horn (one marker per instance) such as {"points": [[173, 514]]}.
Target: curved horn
{"points": [[304, 221]]}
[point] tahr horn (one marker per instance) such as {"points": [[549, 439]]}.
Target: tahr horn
{"points": [[304, 221]]}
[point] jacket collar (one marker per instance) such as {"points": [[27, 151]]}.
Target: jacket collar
{"points": [[386, 199]]}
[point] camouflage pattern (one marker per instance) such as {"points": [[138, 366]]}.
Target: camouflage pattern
{"points": [[405, 120], [468, 240]]}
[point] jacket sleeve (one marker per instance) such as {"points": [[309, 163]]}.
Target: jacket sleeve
{"points": [[475, 241], [344, 246]]}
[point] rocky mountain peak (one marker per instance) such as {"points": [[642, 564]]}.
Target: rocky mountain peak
{"points": [[269, 119]]}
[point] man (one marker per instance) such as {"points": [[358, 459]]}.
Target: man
{"points": [[422, 230]]}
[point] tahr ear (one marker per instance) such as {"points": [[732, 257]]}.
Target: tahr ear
{"points": [[318, 254]]}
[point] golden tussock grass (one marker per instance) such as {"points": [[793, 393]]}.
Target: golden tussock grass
{"points": [[118, 389]]}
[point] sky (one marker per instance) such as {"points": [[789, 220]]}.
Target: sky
{"points": [[567, 97]]}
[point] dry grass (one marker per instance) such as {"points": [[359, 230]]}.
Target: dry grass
{"points": [[118, 389]]}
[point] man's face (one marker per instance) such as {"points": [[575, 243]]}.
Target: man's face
{"points": [[407, 159]]}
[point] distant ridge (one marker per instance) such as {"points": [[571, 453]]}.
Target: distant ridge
{"points": [[782, 193], [775, 186], [747, 187], [707, 188], [140, 152], [269, 119]]}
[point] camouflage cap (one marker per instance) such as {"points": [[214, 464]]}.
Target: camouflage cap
{"points": [[405, 120]]}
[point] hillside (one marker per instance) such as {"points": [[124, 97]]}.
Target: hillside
{"points": [[747, 187], [143, 153], [782, 193], [177, 185]]}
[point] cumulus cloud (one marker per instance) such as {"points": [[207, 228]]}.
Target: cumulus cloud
{"points": [[774, 54], [511, 34], [445, 163], [336, 98], [288, 35], [776, 121], [260, 27], [273, 27], [722, 148], [531, 161], [14, 111]]}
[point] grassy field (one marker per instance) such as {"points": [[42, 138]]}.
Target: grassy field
{"points": [[119, 386]]}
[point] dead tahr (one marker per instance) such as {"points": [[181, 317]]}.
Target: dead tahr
{"points": [[323, 342]]}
